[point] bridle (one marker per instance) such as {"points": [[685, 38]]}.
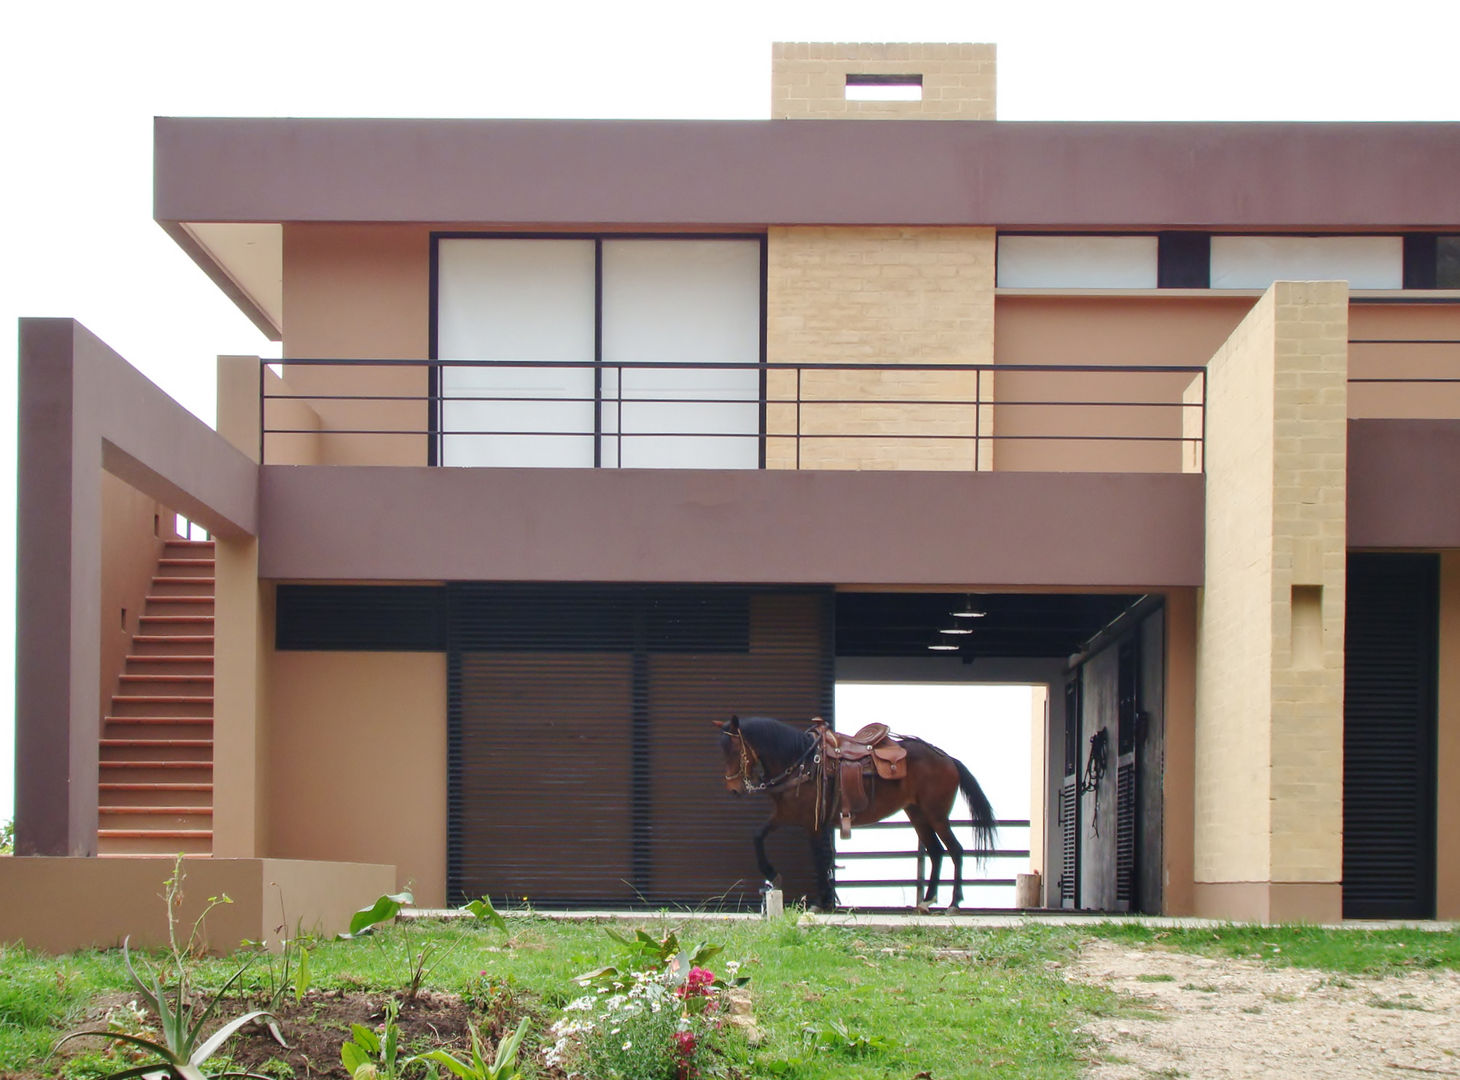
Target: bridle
{"points": [[749, 758]]}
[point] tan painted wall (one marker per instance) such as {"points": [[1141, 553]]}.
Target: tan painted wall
{"points": [[1447, 759], [357, 762], [1107, 332], [1404, 322], [135, 527], [808, 79], [884, 296], [99, 902], [360, 292], [1269, 733]]}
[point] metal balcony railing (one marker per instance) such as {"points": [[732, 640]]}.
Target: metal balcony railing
{"points": [[771, 415]]}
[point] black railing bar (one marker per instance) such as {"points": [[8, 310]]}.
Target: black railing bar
{"points": [[751, 365], [1404, 341], [1001, 853], [882, 883], [1404, 379], [921, 402], [1002, 823], [474, 433]]}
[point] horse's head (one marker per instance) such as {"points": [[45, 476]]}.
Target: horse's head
{"points": [[742, 765]]}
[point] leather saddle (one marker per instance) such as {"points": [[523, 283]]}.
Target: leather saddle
{"points": [[850, 765]]}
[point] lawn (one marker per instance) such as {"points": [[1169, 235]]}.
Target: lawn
{"points": [[820, 1002]]}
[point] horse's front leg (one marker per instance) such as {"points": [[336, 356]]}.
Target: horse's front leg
{"points": [[767, 871]]}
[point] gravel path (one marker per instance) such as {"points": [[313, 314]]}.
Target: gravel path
{"points": [[1228, 1018]]}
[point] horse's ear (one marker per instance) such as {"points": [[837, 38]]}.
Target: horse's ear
{"points": [[732, 725]]}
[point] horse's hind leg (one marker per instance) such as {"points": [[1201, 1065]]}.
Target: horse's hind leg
{"points": [[955, 852], [928, 841], [822, 853]]}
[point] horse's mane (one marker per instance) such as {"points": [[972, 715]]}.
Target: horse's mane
{"points": [[774, 739]]}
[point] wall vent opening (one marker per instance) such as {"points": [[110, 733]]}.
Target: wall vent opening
{"points": [[884, 87], [1307, 626]]}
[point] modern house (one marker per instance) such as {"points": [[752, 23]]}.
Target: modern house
{"points": [[589, 433]]}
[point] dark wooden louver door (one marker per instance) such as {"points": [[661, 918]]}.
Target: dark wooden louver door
{"points": [[583, 765], [1069, 807], [1126, 789], [1389, 736]]}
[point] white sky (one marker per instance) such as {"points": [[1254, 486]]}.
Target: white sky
{"points": [[80, 83]]}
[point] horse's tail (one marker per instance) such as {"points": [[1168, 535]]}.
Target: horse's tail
{"points": [[985, 825]]}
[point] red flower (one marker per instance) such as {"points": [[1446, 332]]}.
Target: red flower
{"points": [[698, 983], [685, 1040]]}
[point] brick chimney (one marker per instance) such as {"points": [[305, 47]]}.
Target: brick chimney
{"points": [[930, 81]]}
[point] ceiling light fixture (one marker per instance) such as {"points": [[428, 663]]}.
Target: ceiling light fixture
{"points": [[956, 630], [970, 609], [943, 646]]}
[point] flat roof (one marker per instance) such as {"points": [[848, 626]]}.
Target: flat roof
{"points": [[757, 173]]}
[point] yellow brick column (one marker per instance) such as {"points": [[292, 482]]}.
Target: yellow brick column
{"points": [[809, 79], [1269, 695], [879, 296], [240, 798]]}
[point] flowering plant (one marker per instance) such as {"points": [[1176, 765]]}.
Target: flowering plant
{"points": [[656, 1020]]}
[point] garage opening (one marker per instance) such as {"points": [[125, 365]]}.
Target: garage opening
{"points": [[1078, 789]]}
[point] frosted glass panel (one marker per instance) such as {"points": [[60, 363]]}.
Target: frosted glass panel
{"points": [[516, 300], [1077, 262], [668, 302], [1255, 262]]}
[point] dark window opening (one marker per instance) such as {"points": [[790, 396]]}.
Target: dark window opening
{"points": [[1183, 260]]}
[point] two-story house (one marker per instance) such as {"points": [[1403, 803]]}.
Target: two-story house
{"points": [[589, 433]]}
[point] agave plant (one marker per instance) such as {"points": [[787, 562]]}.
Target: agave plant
{"points": [[503, 1066], [183, 1051]]}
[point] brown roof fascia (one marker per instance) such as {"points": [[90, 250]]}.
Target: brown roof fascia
{"points": [[754, 173]]}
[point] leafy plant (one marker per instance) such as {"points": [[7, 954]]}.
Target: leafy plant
{"points": [[422, 955], [654, 1016], [368, 1055], [7, 838], [182, 1051], [503, 1066], [289, 972]]}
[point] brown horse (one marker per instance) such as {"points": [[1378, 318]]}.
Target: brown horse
{"points": [[769, 757]]}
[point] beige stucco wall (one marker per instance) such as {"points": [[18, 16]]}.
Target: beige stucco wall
{"points": [[99, 902], [1447, 758], [1269, 692], [1104, 332], [877, 296], [135, 527], [1418, 322], [360, 292], [357, 762], [808, 80]]}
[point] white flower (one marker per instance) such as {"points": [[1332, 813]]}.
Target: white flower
{"points": [[628, 1043]]}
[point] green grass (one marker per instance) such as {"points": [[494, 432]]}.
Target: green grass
{"points": [[1350, 952], [951, 1002]]}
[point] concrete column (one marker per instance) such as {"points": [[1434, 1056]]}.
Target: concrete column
{"points": [[1269, 695], [240, 797]]}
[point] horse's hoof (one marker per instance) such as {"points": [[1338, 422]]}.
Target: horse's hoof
{"points": [[923, 908], [951, 909]]}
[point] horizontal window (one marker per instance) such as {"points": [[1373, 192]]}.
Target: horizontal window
{"points": [[1077, 262], [1255, 262]]}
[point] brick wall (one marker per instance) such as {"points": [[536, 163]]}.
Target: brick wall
{"points": [[878, 295], [808, 80], [1269, 730]]}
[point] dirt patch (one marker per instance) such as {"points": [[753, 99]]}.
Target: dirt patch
{"points": [[315, 1028], [1229, 1018]]}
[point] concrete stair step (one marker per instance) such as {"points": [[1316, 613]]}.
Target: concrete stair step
{"points": [[175, 587], [179, 605], [179, 796], [170, 664], [149, 646], [148, 842]]}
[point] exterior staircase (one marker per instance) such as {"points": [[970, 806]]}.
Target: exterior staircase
{"points": [[156, 754]]}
